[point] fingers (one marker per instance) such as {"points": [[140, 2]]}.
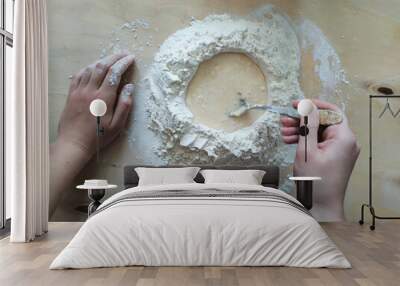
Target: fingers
{"points": [[101, 67], [290, 122], [74, 83], [292, 139], [340, 131], [95, 73], [325, 105], [288, 131], [85, 76], [111, 83], [123, 107], [313, 126], [329, 135], [114, 74], [320, 104], [76, 79]]}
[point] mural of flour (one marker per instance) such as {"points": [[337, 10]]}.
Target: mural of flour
{"points": [[201, 72]]}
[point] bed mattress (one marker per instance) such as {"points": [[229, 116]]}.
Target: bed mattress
{"points": [[201, 225]]}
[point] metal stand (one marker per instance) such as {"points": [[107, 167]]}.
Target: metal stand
{"points": [[95, 196], [369, 205], [305, 193], [304, 190]]}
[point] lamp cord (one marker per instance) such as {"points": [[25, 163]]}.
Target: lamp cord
{"points": [[305, 147], [305, 137], [98, 139]]}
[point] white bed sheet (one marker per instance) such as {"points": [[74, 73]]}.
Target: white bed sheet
{"points": [[200, 231]]}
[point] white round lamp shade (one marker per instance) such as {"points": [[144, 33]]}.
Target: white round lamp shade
{"points": [[305, 107], [98, 107]]}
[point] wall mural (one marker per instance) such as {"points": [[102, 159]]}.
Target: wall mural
{"points": [[195, 64], [190, 114]]}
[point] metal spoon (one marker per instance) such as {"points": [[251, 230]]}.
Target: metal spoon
{"points": [[326, 117]]}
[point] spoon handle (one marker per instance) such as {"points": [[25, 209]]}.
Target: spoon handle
{"points": [[326, 116]]}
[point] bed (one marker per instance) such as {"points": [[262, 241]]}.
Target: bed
{"points": [[198, 224]]}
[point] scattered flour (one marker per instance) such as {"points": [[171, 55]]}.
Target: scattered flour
{"points": [[269, 39], [328, 68], [118, 69], [127, 91], [130, 37]]}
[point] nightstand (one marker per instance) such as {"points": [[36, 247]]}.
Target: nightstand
{"points": [[304, 191], [96, 190]]}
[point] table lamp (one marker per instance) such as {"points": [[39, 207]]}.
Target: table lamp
{"points": [[304, 108], [98, 108]]}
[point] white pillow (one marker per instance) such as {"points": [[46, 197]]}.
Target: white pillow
{"points": [[248, 177], [165, 176]]}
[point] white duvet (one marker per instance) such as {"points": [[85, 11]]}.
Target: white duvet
{"points": [[200, 231]]}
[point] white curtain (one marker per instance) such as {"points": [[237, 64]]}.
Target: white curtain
{"points": [[27, 142]]}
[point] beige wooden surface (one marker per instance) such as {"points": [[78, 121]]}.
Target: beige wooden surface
{"points": [[375, 257]]}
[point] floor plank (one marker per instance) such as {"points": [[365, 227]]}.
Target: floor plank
{"points": [[375, 257]]}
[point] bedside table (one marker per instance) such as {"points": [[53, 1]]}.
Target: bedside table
{"points": [[95, 194], [304, 186]]}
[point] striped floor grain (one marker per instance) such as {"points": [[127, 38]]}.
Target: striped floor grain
{"points": [[375, 257]]}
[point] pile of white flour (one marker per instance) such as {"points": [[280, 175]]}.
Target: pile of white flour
{"points": [[269, 37], [265, 36]]}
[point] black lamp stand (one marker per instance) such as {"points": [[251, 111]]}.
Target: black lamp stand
{"points": [[99, 132], [303, 131]]}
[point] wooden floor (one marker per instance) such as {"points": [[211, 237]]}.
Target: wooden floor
{"points": [[375, 257]]}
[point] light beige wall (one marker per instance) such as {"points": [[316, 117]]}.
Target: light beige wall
{"points": [[365, 34]]}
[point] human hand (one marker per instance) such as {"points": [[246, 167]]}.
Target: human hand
{"points": [[105, 79], [332, 154], [75, 145]]}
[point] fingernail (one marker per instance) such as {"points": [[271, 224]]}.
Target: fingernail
{"points": [[107, 60], [127, 58], [116, 69], [127, 91]]}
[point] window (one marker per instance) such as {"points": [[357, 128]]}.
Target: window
{"points": [[6, 45]]}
